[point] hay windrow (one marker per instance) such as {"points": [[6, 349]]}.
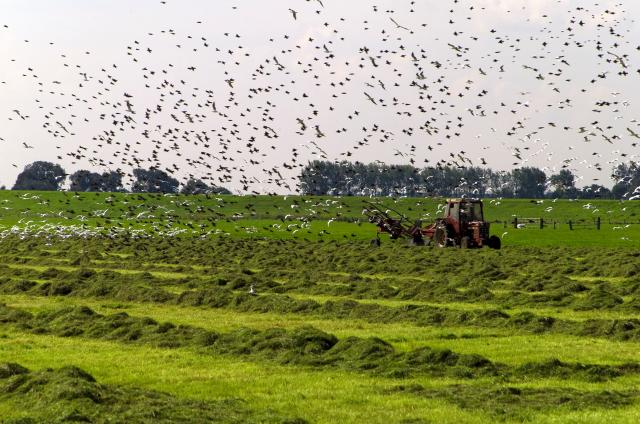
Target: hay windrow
{"points": [[70, 394], [521, 404], [305, 346], [107, 286]]}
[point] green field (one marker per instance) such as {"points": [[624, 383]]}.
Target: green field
{"points": [[302, 218], [129, 318]]}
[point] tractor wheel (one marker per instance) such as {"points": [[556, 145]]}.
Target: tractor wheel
{"points": [[494, 242], [375, 242], [465, 242], [440, 236], [416, 241]]}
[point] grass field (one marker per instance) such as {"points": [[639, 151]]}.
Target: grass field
{"points": [[162, 328], [301, 218]]}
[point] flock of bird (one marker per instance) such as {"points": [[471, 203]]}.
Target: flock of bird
{"points": [[142, 215], [400, 82]]}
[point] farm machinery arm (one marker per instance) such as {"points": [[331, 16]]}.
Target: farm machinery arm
{"points": [[396, 227]]}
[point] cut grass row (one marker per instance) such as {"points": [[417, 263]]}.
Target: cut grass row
{"points": [[563, 313], [70, 394], [345, 309], [302, 346], [305, 259], [621, 311], [499, 345]]}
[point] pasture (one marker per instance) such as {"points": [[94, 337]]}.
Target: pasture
{"points": [[181, 314], [300, 217]]}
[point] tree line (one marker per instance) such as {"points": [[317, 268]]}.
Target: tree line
{"points": [[47, 176], [358, 179], [379, 179]]}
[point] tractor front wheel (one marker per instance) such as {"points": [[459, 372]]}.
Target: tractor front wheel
{"points": [[440, 237], [416, 241], [494, 242]]}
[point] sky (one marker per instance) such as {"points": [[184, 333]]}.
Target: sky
{"points": [[244, 93]]}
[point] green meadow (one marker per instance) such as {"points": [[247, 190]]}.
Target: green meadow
{"points": [[305, 217]]}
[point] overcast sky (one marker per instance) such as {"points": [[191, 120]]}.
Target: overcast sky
{"points": [[244, 92]]}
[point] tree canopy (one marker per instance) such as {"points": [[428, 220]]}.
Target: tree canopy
{"points": [[153, 181], [84, 180], [40, 175], [377, 179], [196, 186]]}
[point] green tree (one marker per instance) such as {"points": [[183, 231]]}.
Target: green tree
{"points": [[153, 181], [627, 178], [563, 184], [193, 186], [40, 175], [84, 180], [528, 182], [595, 191]]}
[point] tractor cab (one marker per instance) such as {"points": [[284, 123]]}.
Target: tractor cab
{"points": [[463, 224], [464, 210]]}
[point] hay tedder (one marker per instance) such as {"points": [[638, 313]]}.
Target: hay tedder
{"points": [[462, 225]]}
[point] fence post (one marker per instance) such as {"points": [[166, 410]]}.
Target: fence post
{"points": [[570, 225], [554, 224], [541, 223], [515, 222], [598, 223]]}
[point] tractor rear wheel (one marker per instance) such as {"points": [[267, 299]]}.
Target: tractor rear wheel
{"points": [[440, 236], [494, 242], [465, 242]]}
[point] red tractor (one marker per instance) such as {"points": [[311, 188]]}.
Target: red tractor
{"points": [[462, 225]]}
